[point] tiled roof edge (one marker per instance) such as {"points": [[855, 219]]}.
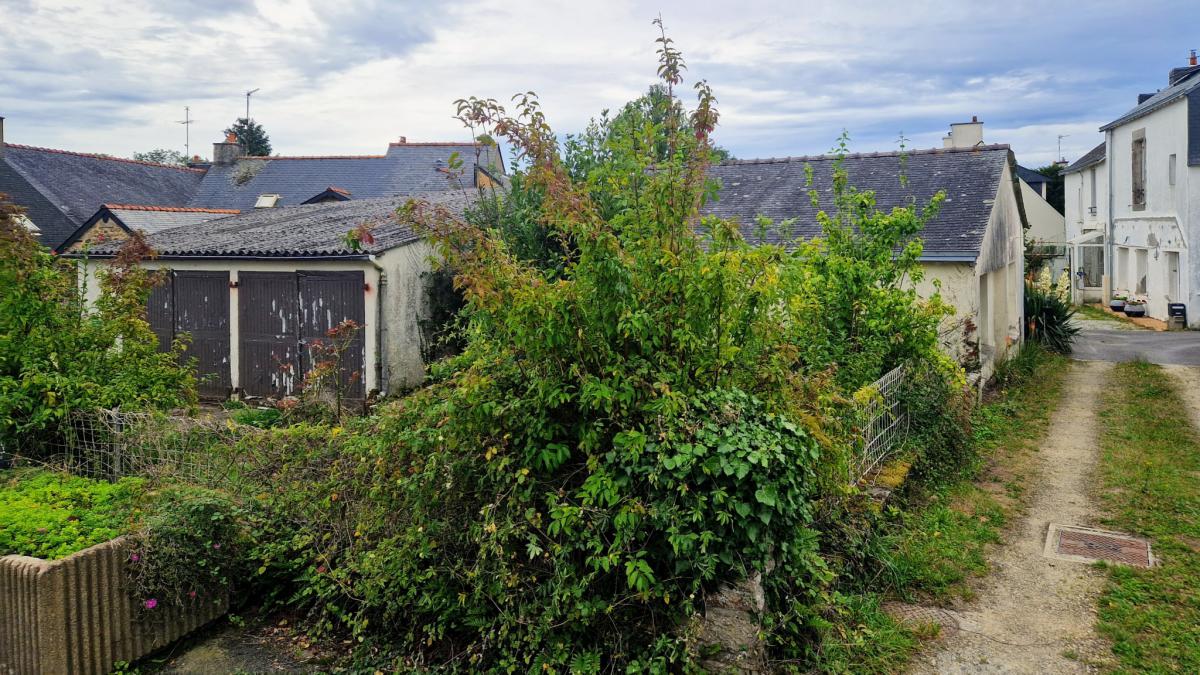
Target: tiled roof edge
{"points": [[270, 158], [436, 143], [104, 157], [861, 155], [172, 209]]}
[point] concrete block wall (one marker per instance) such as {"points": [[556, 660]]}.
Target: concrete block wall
{"points": [[75, 615]]}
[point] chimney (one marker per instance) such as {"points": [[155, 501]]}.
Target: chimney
{"points": [[1192, 58], [403, 140], [964, 134], [227, 152]]}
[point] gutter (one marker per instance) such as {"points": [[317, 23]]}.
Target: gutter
{"points": [[333, 258], [1109, 233]]}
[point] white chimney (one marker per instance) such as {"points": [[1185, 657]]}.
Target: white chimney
{"points": [[964, 134]]}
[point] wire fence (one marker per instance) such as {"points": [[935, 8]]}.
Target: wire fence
{"points": [[884, 424], [112, 444]]}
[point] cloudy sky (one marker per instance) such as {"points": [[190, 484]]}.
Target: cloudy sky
{"points": [[347, 77]]}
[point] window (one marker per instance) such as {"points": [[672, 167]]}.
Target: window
{"points": [[1092, 198], [1121, 269], [1139, 169], [1171, 170], [267, 201]]}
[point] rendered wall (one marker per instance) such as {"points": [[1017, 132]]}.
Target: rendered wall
{"points": [[75, 615]]}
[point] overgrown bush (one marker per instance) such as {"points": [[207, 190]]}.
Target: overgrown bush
{"points": [[59, 354], [1049, 318], [186, 549], [619, 436]]}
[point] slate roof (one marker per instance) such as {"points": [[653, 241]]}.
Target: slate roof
{"points": [[777, 189], [1090, 158], [310, 230], [405, 169], [1030, 176], [1162, 98], [62, 189]]}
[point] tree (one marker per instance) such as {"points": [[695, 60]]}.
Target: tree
{"points": [[252, 136], [1054, 189], [162, 156]]}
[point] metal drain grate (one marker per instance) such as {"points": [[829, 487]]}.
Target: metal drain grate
{"points": [[924, 615], [1085, 544]]}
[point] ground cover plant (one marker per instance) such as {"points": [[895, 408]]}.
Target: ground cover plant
{"points": [[1149, 463], [47, 514]]}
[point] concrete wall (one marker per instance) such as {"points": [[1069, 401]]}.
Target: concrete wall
{"points": [[1167, 222], [76, 616], [403, 268], [405, 305]]}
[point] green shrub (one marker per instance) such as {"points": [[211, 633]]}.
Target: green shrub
{"points": [[187, 549], [58, 354], [1049, 319], [52, 515], [263, 418]]}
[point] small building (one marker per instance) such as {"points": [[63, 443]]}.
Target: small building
{"points": [[1141, 200], [973, 247], [62, 190], [254, 291]]}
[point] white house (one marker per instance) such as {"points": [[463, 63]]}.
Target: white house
{"points": [[1085, 196], [1146, 199]]}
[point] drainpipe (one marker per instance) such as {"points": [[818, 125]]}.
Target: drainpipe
{"points": [[381, 335], [1109, 230]]}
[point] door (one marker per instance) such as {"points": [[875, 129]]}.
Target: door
{"points": [[1173, 277], [268, 357], [195, 304], [326, 300]]}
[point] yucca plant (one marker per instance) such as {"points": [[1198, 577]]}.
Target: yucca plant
{"points": [[1049, 319]]}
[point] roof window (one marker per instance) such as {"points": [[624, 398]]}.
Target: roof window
{"points": [[267, 201]]}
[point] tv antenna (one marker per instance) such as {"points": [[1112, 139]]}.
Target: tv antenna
{"points": [[248, 103], [187, 122], [1060, 155]]}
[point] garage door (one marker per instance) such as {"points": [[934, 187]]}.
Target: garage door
{"points": [[196, 303], [282, 314]]}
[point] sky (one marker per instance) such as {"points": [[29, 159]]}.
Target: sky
{"points": [[349, 77]]}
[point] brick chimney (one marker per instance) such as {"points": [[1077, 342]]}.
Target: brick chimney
{"points": [[1178, 75], [227, 152]]}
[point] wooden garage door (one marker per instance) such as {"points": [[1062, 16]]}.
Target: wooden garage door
{"points": [[268, 356], [282, 313], [196, 303], [327, 299]]}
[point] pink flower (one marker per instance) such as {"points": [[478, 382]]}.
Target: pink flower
{"points": [[151, 603], [217, 545], [134, 557], [192, 594]]}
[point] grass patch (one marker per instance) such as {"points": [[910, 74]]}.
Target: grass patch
{"points": [[52, 515], [1150, 469], [940, 543], [1094, 313]]}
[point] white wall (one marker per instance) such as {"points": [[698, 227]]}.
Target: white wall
{"points": [[1046, 224], [405, 304], [1171, 215]]}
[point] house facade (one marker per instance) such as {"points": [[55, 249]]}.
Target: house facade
{"points": [[255, 291], [1085, 197], [1147, 198], [973, 248]]}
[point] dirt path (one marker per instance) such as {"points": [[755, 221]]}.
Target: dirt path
{"points": [[1034, 614], [1187, 383]]}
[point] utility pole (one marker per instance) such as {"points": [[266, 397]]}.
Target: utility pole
{"points": [[187, 131], [248, 104]]}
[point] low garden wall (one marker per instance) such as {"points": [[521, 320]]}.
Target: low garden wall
{"points": [[75, 615]]}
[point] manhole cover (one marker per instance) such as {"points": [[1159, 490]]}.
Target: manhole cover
{"points": [[923, 615], [1084, 544]]}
